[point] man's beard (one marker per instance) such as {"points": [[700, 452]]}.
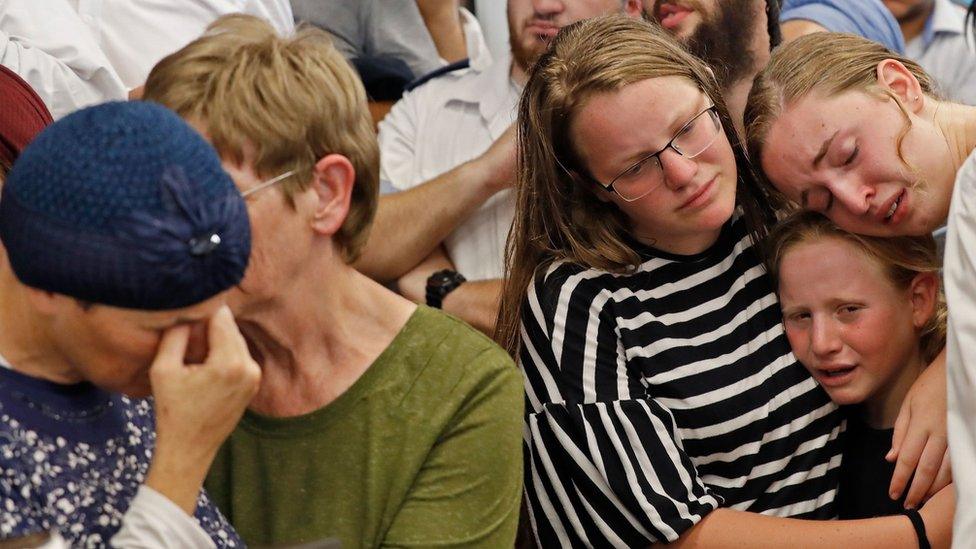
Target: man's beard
{"points": [[724, 40], [523, 56]]}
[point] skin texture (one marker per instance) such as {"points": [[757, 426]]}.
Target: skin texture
{"points": [[842, 314], [861, 174], [608, 140]]}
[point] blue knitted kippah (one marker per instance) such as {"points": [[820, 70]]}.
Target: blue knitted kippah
{"points": [[124, 204]]}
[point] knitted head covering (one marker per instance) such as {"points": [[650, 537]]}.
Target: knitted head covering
{"points": [[124, 204], [22, 115], [867, 18]]}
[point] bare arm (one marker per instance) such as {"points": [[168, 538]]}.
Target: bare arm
{"points": [[475, 302], [733, 529], [409, 225], [444, 24]]}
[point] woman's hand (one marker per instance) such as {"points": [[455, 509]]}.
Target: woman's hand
{"points": [[197, 405], [920, 443]]}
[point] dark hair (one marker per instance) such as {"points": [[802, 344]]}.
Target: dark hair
{"points": [[772, 23]]}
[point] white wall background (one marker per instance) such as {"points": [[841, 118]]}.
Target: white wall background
{"points": [[491, 15]]}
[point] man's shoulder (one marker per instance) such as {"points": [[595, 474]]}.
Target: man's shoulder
{"points": [[447, 73], [454, 82]]}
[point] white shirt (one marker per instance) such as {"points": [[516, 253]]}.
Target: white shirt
{"points": [[442, 124], [153, 521], [959, 271], [944, 51], [76, 53]]}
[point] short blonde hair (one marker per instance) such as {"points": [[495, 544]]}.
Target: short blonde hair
{"points": [[292, 100], [826, 62], [901, 258]]}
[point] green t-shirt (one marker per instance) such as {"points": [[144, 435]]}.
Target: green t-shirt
{"points": [[423, 450]]}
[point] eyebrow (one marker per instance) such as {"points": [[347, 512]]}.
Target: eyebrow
{"points": [[823, 150], [674, 127]]}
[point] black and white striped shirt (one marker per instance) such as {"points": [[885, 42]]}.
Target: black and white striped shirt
{"points": [[657, 396]]}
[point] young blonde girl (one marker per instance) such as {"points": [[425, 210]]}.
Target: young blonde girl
{"points": [[864, 316], [842, 126]]}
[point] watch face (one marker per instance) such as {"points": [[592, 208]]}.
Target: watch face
{"points": [[441, 279]]}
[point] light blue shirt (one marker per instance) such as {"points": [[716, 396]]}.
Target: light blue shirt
{"points": [[946, 52]]}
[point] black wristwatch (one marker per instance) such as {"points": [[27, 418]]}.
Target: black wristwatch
{"points": [[440, 284]]}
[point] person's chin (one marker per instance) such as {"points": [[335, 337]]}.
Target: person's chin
{"points": [[846, 395], [720, 210]]}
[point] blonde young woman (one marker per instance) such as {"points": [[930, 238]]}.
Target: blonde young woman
{"points": [[842, 126], [663, 403]]}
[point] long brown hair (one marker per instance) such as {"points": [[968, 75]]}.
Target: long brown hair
{"points": [[558, 216], [827, 62], [901, 258]]}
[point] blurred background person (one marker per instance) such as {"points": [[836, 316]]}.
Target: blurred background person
{"points": [[867, 18]]}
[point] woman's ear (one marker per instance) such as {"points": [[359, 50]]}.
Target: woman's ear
{"points": [[333, 178], [895, 77], [923, 292]]}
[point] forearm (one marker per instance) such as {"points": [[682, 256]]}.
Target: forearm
{"points": [[178, 474], [410, 224], [476, 303], [726, 528], [444, 24]]}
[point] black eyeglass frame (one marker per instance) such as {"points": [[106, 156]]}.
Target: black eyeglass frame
{"points": [[670, 145]]}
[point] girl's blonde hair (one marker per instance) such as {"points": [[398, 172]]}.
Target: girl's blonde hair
{"points": [[558, 215], [825, 62], [902, 258]]}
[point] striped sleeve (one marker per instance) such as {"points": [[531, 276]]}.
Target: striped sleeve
{"points": [[605, 461]]}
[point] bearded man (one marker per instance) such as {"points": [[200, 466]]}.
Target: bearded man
{"points": [[733, 36]]}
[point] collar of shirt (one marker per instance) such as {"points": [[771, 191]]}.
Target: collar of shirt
{"points": [[479, 56], [492, 89], [946, 18]]}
